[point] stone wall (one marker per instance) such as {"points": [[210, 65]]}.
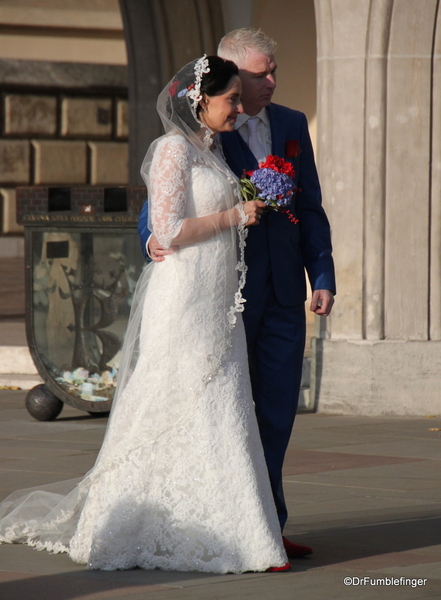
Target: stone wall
{"points": [[61, 125], [77, 31]]}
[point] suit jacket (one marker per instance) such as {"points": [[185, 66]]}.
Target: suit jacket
{"points": [[277, 247]]}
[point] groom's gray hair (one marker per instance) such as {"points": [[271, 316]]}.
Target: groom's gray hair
{"points": [[235, 45]]}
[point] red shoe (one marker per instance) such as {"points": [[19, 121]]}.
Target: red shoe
{"points": [[277, 569], [295, 550]]}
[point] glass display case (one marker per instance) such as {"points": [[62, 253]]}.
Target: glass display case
{"points": [[83, 261]]}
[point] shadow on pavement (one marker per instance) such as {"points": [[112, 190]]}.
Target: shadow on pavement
{"points": [[372, 538], [331, 547]]}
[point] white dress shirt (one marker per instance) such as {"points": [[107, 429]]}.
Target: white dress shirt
{"points": [[263, 129]]}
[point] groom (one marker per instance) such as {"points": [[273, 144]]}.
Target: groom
{"points": [[278, 252]]}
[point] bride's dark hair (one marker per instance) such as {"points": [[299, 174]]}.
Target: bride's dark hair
{"points": [[221, 71], [212, 83]]}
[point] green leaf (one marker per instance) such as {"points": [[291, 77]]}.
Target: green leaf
{"points": [[248, 190]]}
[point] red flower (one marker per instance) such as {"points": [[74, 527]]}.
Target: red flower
{"points": [[173, 88], [292, 148], [290, 216], [278, 164]]}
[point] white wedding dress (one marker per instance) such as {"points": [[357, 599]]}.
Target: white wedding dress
{"points": [[181, 481]]}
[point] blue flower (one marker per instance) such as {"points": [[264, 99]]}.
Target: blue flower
{"points": [[274, 188]]}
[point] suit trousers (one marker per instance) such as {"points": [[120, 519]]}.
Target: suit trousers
{"points": [[276, 343]]}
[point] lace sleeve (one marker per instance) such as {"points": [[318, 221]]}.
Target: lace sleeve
{"points": [[169, 188]]}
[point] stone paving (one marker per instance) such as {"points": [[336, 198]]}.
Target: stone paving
{"points": [[365, 493]]}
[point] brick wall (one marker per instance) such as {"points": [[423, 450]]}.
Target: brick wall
{"points": [[79, 205], [60, 134]]}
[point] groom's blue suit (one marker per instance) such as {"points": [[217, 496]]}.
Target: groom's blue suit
{"points": [[277, 253]]}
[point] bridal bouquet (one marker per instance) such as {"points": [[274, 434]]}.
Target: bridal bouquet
{"points": [[273, 183]]}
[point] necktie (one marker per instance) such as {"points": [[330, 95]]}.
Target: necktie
{"points": [[255, 145]]}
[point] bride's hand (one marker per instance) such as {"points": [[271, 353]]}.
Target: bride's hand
{"points": [[253, 210]]}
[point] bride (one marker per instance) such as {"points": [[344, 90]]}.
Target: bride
{"points": [[180, 482]]}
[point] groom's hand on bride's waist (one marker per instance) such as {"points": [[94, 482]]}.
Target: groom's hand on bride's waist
{"points": [[156, 252]]}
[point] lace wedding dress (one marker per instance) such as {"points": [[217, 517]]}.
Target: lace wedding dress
{"points": [[181, 481]]}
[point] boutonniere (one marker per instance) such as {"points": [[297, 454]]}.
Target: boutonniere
{"points": [[292, 148]]}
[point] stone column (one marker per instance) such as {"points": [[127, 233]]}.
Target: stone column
{"points": [[379, 154], [161, 37], [435, 189]]}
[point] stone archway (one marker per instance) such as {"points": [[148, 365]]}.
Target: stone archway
{"points": [[161, 36]]}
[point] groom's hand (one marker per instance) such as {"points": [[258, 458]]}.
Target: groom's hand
{"points": [[156, 252], [321, 302]]}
